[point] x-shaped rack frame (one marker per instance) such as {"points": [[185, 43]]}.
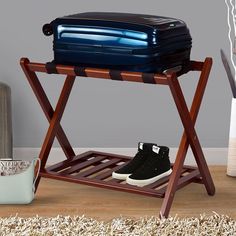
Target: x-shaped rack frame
{"points": [[95, 168]]}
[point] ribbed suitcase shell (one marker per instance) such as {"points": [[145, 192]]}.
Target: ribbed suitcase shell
{"points": [[121, 41]]}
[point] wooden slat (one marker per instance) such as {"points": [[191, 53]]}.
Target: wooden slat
{"points": [[82, 165], [103, 184], [67, 163], [187, 167], [187, 179], [112, 155], [115, 181], [198, 180], [98, 168], [108, 173], [162, 181], [158, 183], [183, 181]]}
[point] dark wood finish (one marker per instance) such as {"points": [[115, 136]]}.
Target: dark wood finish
{"points": [[191, 119], [191, 134], [87, 176], [55, 122], [96, 73], [66, 163], [183, 181], [166, 179], [95, 168], [108, 173], [80, 166], [98, 168], [46, 106]]}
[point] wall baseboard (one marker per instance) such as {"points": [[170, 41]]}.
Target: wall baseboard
{"points": [[214, 156]]}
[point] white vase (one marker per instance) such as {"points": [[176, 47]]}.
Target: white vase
{"points": [[231, 166]]}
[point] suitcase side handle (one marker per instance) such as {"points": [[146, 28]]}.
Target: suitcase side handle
{"points": [[47, 29]]}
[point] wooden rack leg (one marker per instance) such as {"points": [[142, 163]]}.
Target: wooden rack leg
{"points": [[189, 136], [55, 122], [46, 107]]}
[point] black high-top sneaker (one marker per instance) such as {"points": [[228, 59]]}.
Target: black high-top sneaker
{"points": [[144, 150], [156, 166]]}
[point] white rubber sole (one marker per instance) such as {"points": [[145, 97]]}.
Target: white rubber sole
{"points": [[141, 183], [120, 176]]}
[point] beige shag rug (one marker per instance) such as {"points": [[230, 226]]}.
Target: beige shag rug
{"points": [[149, 226]]}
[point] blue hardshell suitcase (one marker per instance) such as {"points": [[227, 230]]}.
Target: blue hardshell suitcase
{"points": [[121, 41]]}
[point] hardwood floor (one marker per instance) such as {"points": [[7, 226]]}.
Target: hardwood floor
{"points": [[55, 197]]}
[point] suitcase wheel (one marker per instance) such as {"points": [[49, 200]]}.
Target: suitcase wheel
{"points": [[47, 29]]}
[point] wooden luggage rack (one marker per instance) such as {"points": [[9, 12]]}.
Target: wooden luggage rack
{"points": [[95, 168]]}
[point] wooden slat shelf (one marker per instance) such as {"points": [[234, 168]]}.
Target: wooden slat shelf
{"points": [[98, 163]]}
